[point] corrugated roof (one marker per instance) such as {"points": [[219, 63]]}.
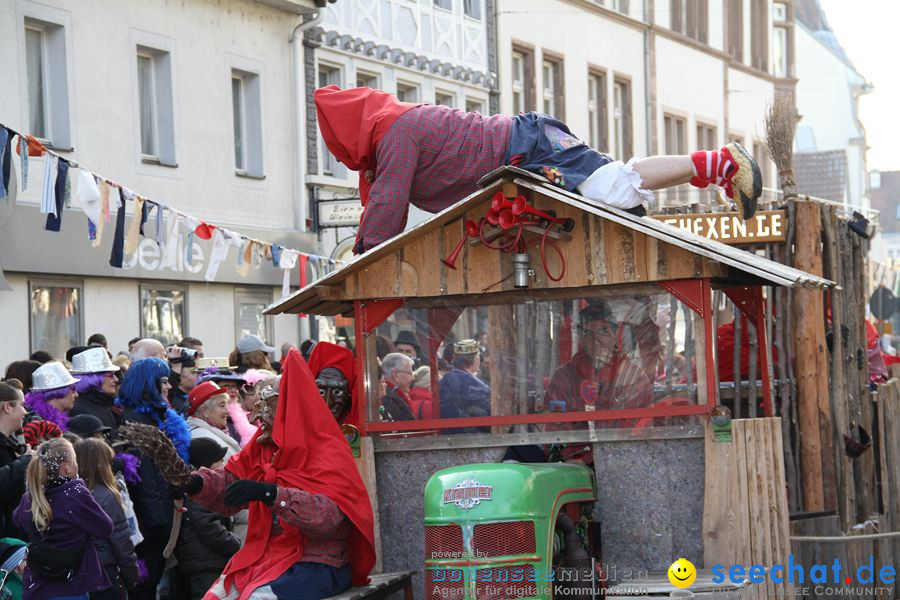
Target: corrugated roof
{"points": [[317, 294], [822, 174]]}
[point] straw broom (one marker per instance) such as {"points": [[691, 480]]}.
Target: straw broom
{"points": [[781, 121]]}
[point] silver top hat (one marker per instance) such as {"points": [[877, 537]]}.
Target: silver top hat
{"points": [[92, 360], [50, 376]]}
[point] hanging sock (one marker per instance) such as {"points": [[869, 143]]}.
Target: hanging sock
{"points": [[103, 216], [5, 163], [54, 219], [118, 246], [276, 255], [134, 227], [87, 196], [48, 204], [23, 161], [734, 170], [219, 253], [145, 215], [287, 262], [159, 217], [204, 231]]}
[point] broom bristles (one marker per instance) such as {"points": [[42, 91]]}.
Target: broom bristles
{"points": [[781, 122], [158, 447]]}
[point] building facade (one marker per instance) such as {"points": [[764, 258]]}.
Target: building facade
{"points": [[637, 78], [187, 104], [431, 51]]}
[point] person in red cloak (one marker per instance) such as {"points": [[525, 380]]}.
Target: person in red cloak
{"points": [[334, 369], [311, 532], [433, 156]]}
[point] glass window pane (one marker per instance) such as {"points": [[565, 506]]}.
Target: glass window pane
{"points": [[596, 354], [473, 8], [147, 105], [55, 318], [237, 106], [163, 314], [34, 58], [251, 320]]}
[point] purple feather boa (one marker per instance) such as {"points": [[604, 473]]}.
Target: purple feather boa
{"points": [[39, 404], [130, 464]]}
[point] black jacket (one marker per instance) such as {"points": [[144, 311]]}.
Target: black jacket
{"points": [[177, 398], [95, 402], [12, 483], [204, 543], [116, 553], [152, 497]]}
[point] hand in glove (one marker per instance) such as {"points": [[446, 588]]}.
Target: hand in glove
{"points": [[194, 485], [243, 491]]}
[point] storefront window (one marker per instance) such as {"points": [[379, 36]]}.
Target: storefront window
{"points": [[163, 313], [538, 357], [250, 320], [55, 317]]}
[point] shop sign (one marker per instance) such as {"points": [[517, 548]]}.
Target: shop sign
{"points": [[468, 493], [729, 228], [150, 256], [340, 213]]}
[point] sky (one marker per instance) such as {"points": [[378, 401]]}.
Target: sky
{"points": [[867, 30]]}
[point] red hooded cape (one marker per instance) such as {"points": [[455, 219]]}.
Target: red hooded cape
{"points": [[326, 354], [352, 123], [311, 453]]}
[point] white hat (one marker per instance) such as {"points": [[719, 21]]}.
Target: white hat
{"points": [[92, 360], [50, 376]]}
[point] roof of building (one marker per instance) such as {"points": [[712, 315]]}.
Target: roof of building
{"points": [[810, 14], [886, 198], [822, 174], [329, 294]]}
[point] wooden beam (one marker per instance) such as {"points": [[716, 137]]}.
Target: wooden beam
{"points": [[809, 361]]}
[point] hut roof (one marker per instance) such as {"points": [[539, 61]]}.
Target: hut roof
{"points": [[328, 295]]}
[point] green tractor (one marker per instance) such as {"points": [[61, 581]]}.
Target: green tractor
{"points": [[510, 531]]}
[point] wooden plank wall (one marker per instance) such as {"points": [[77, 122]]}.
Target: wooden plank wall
{"points": [[888, 438], [745, 510], [599, 252]]}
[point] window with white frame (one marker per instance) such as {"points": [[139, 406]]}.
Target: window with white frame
{"points": [[597, 138], [329, 75], [445, 4], [163, 313], [369, 80], [247, 119], [156, 110], [472, 8], [475, 105], [56, 316], [445, 98], [675, 143], [407, 92], [248, 315], [47, 84], [707, 137], [518, 83], [622, 127], [552, 101], [780, 40]]}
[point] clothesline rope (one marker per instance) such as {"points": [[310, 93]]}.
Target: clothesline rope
{"points": [[32, 143]]}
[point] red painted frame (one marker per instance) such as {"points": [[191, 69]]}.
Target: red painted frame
{"points": [[695, 293], [750, 301]]}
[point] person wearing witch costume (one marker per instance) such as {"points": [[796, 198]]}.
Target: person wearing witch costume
{"points": [[142, 397], [433, 156], [334, 370], [311, 531]]}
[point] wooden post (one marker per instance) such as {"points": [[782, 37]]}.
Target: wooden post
{"points": [[840, 415], [816, 456]]}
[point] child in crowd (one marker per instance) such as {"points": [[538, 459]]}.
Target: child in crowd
{"points": [[60, 517], [205, 543], [116, 553]]}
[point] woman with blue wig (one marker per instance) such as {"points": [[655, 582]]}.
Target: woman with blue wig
{"points": [[142, 397]]}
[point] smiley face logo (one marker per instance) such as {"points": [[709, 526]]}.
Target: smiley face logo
{"points": [[682, 573]]}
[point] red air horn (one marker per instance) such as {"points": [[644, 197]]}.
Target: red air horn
{"points": [[471, 231], [520, 206]]}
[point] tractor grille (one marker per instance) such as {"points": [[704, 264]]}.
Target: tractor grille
{"points": [[443, 542], [501, 539], [442, 589], [497, 583]]}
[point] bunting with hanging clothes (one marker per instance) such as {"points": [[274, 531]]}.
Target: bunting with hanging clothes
{"points": [[102, 200]]}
